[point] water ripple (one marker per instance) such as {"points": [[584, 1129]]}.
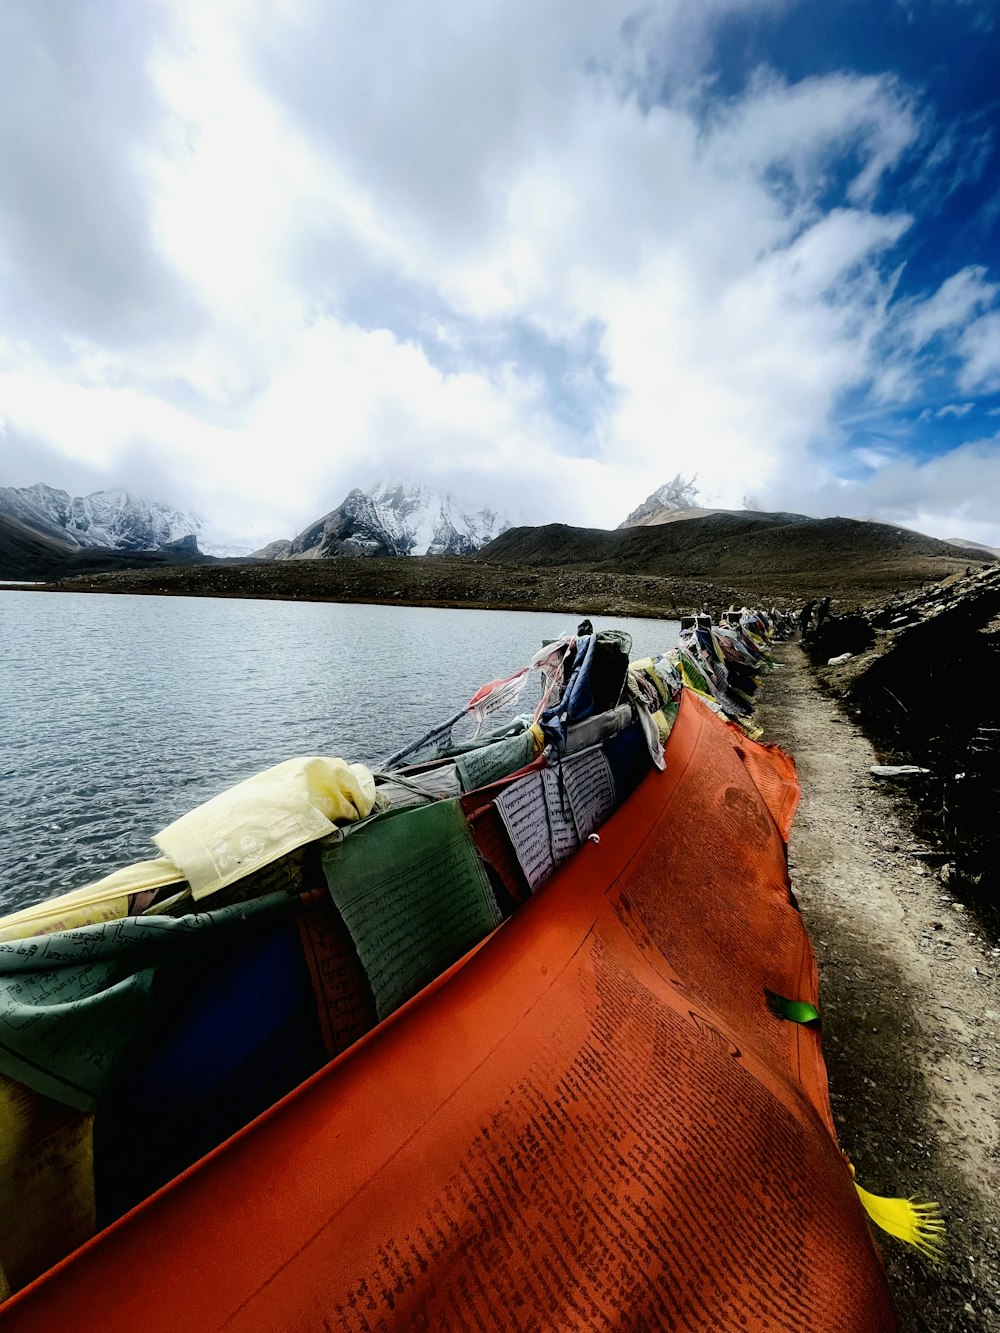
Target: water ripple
{"points": [[121, 713]]}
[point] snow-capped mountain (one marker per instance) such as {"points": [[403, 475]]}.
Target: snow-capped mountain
{"points": [[112, 519], [672, 497], [395, 520]]}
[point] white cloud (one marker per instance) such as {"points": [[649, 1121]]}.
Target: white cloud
{"points": [[980, 346], [955, 302], [874, 458], [486, 170], [957, 410], [951, 495], [346, 404], [806, 127]]}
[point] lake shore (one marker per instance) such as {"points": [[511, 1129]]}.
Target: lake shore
{"points": [[434, 581]]}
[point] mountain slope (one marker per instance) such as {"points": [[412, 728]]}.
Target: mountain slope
{"points": [[26, 553], [393, 520], [972, 546], [650, 518], [112, 519], [673, 497], [786, 551]]}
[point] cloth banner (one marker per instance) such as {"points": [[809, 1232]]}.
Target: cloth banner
{"points": [[593, 1121], [268, 815], [414, 895], [497, 696], [46, 1182], [71, 1002], [104, 900], [479, 768]]}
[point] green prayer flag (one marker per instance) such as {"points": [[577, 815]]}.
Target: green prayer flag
{"points": [[478, 768], [72, 1002], [414, 894]]}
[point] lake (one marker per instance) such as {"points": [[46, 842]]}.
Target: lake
{"points": [[119, 713]]}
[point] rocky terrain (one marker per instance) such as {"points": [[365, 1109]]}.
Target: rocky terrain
{"points": [[667, 557], [899, 883], [922, 681], [104, 519], [27, 553], [664, 569], [393, 520], [975, 546], [910, 1002], [673, 497], [47, 533], [419, 581], [673, 502]]}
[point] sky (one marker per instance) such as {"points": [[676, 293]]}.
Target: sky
{"points": [[545, 256]]}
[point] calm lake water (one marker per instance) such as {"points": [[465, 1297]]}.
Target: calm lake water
{"points": [[120, 713]]}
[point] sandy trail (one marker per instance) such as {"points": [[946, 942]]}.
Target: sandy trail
{"points": [[910, 999]]}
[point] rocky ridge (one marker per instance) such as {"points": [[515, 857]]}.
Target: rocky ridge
{"points": [[921, 680], [780, 556], [111, 519], [673, 497], [393, 520]]}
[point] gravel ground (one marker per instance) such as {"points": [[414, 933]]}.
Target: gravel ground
{"points": [[435, 580], [910, 996]]}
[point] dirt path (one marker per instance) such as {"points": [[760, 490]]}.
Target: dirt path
{"points": [[910, 997]]}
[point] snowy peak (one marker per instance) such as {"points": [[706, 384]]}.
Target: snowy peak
{"points": [[396, 519], [41, 507], [672, 497], [112, 519], [116, 519]]}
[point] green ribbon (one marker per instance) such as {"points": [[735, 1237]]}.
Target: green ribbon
{"points": [[793, 1011]]}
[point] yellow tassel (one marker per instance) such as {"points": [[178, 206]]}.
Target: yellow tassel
{"points": [[918, 1224]]}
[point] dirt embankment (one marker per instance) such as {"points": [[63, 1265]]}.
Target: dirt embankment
{"points": [[923, 682], [910, 1002]]}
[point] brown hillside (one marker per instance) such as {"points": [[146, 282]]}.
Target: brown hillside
{"points": [[775, 554], [28, 553], [432, 580]]}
